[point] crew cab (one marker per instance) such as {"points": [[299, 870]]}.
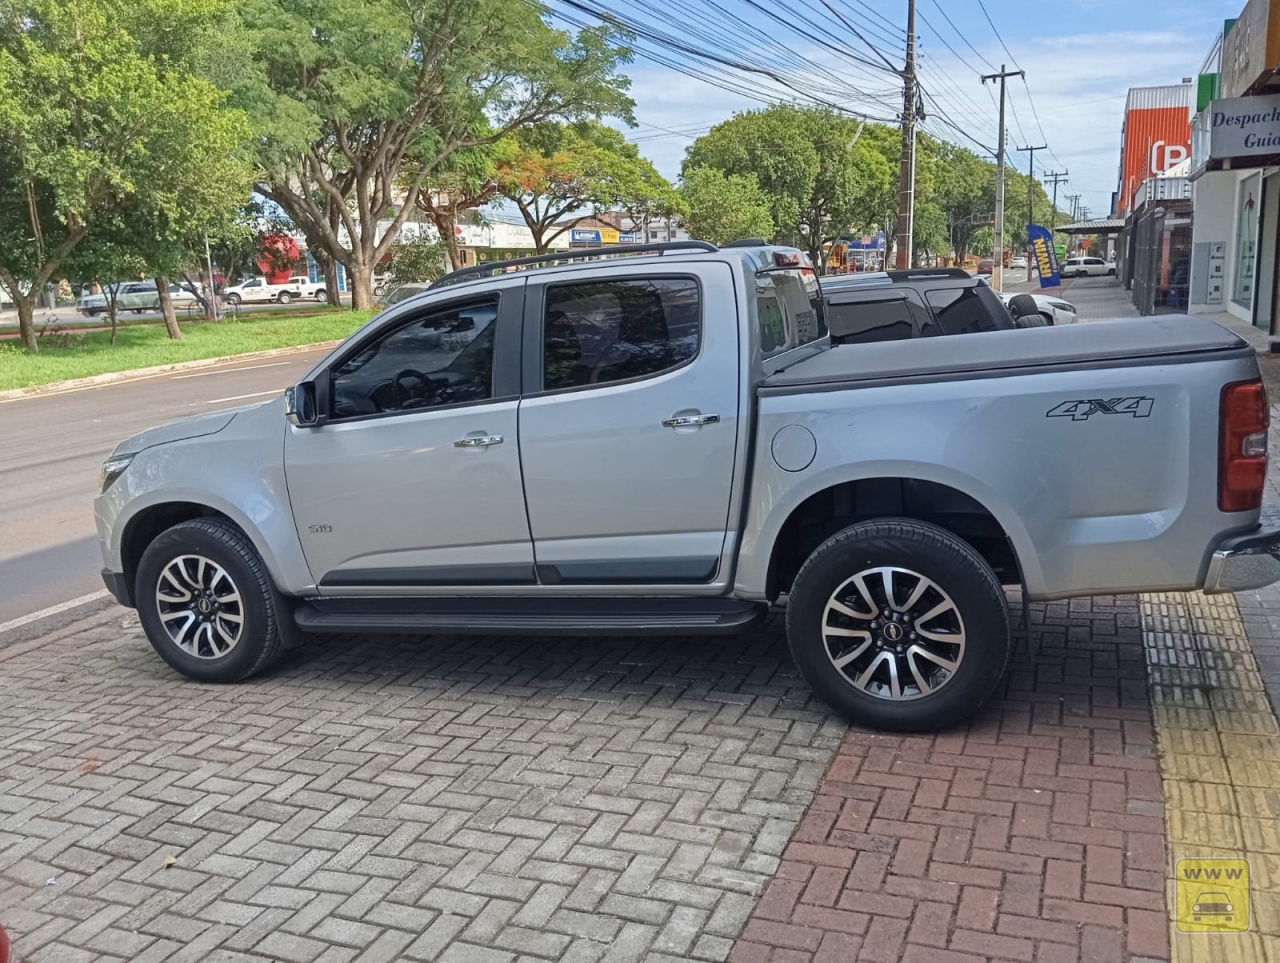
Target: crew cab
{"points": [[259, 289], [669, 441]]}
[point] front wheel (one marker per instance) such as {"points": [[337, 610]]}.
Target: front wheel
{"points": [[233, 299], [1111, 273], [899, 625], [207, 603]]}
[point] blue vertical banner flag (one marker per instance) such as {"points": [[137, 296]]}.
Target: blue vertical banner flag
{"points": [[1046, 256]]}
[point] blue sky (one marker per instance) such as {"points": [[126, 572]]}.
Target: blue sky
{"points": [[1080, 57]]}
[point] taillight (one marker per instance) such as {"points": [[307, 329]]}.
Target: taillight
{"points": [[1242, 452], [786, 259]]}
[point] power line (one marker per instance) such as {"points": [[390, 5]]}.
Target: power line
{"points": [[938, 4], [1012, 59]]}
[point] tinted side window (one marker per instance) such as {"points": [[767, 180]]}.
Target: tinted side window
{"points": [[962, 310], [863, 322], [606, 331], [442, 358]]}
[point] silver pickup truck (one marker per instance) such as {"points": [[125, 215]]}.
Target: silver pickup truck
{"points": [[667, 443]]}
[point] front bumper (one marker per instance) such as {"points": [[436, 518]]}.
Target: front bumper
{"points": [[1245, 562]]}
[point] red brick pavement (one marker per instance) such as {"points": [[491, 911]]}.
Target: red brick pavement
{"points": [[1035, 834]]}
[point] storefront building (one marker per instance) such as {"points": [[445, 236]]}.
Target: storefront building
{"points": [[1235, 171]]}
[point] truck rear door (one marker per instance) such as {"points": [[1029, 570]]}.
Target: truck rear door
{"points": [[629, 425]]}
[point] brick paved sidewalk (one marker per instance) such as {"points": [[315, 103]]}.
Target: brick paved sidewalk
{"points": [[1037, 833], [489, 799]]}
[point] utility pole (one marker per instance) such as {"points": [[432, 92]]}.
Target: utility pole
{"points": [[1031, 197], [1075, 202], [907, 175], [997, 269], [1055, 178]]}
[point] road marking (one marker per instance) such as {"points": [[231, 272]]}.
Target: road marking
{"points": [[52, 610], [256, 394], [205, 374]]}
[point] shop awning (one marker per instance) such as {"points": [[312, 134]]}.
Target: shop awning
{"points": [[1101, 225]]}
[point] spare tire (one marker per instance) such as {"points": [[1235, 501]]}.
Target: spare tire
{"points": [[1023, 305]]}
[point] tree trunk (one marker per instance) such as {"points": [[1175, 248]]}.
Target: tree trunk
{"points": [[444, 224], [166, 306], [26, 305], [360, 280]]}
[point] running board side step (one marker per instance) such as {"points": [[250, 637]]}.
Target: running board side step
{"points": [[581, 616]]}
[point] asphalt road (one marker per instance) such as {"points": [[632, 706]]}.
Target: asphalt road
{"points": [[53, 446]]}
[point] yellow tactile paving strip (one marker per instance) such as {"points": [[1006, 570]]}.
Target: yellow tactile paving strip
{"points": [[1219, 746]]}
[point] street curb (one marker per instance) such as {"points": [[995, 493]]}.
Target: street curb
{"points": [[138, 374]]}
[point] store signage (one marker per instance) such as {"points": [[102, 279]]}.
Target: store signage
{"points": [[1244, 127], [581, 236], [1250, 48], [1046, 256], [608, 235]]}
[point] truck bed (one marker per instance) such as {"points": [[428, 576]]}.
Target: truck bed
{"points": [[1168, 339]]}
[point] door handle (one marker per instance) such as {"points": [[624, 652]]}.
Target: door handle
{"points": [[690, 421], [478, 441]]}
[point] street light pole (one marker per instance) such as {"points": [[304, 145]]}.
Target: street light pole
{"points": [[211, 297], [997, 265]]}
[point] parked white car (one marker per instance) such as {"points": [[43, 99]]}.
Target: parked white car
{"points": [[258, 290], [1086, 267], [1017, 263], [1053, 310], [136, 296]]}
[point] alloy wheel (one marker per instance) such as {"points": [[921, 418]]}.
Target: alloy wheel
{"points": [[893, 633], [200, 606]]}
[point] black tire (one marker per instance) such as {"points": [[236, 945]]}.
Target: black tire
{"points": [[285, 297], [322, 295], [929, 552], [233, 299], [1023, 306], [217, 540], [1032, 321], [1111, 273]]}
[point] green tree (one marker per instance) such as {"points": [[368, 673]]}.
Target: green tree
{"points": [[557, 175], [723, 208], [417, 258], [467, 181], [821, 171], [350, 96], [644, 195], [100, 112]]}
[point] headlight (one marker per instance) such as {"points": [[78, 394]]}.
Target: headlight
{"points": [[112, 469]]}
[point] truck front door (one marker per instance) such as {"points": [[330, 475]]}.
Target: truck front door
{"points": [[412, 486], [629, 426]]}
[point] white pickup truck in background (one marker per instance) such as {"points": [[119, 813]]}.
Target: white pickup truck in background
{"points": [[259, 289]]}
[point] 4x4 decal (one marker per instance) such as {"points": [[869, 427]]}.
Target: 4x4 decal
{"points": [[1084, 410]]}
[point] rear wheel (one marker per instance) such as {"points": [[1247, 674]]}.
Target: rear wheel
{"points": [[285, 297], [899, 625], [207, 603], [322, 295]]}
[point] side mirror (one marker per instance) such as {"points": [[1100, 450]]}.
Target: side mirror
{"points": [[300, 407]]}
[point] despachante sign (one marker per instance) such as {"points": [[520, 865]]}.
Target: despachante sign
{"points": [[1244, 127]]}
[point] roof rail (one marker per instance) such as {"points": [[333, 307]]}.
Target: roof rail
{"points": [[492, 268], [920, 274]]}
